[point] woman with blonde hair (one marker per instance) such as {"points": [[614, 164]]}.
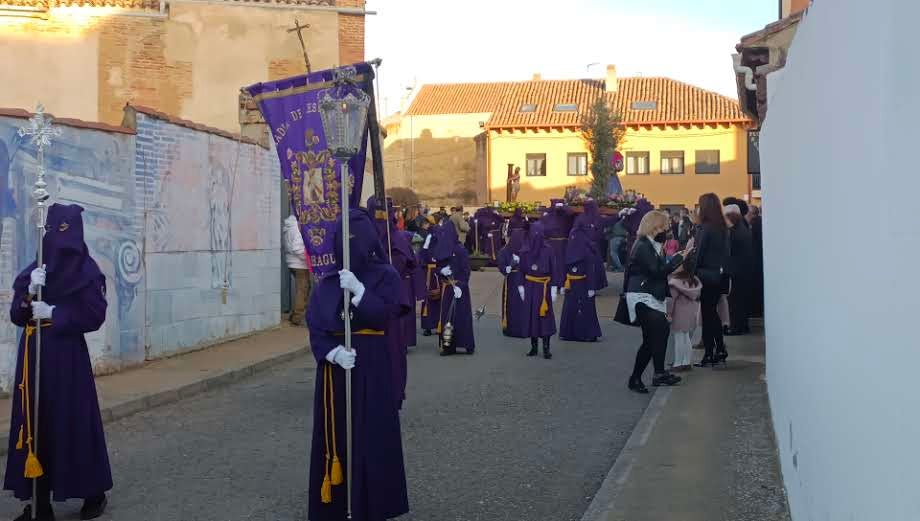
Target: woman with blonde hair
{"points": [[646, 290]]}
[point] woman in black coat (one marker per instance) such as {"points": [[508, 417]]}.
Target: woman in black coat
{"points": [[646, 290], [740, 267], [711, 249]]}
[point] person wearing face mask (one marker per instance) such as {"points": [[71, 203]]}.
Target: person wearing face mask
{"points": [[71, 460], [646, 290], [379, 478]]}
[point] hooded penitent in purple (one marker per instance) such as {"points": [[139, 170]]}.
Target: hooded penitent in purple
{"points": [[448, 252], [379, 477], [486, 225], [540, 275], [431, 306], [403, 259], [593, 223], [557, 223], [517, 221], [514, 315], [579, 312], [72, 447]]}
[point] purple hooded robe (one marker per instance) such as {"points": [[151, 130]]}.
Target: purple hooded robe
{"points": [[71, 441], [514, 315], [557, 222], [379, 480], [487, 226], [579, 312], [540, 275], [594, 224], [403, 259], [431, 306], [459, 312]]}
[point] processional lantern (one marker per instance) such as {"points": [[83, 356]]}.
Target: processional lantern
{"points": [[343, 110]]}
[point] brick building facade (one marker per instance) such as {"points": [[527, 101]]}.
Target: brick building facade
{"points": [[87, 58]]}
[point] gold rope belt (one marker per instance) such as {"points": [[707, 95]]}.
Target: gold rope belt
{"points": [[557, 238], [363, 332], [430, 268], [570, 277], [333, 467], [33, 468], [544, 307]]}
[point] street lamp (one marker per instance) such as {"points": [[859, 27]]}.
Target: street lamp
{"points": [[343, 110]]}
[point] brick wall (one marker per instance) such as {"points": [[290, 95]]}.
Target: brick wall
{"points": [[351, 33]]}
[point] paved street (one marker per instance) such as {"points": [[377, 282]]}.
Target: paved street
{"points": [[495, 436]]}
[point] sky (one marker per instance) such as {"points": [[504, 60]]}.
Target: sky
{"points": [[440, 41]]}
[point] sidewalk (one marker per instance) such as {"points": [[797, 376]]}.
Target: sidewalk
{"points": [[703, 451], [165, 381]]}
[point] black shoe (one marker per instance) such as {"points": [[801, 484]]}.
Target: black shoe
{"points": [[470, 351], [546, 354], [44, 514], [533, 347], [665, 379], [426, 332], [94, 507], [721, 356], [636, 385], [707, 361]]}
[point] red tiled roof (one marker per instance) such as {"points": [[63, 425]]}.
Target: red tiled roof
{"points": [[149, 4], [154, 113], [675, 102], [68, 122]]}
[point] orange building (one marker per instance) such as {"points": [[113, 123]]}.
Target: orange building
{"points": [[456, 141]]}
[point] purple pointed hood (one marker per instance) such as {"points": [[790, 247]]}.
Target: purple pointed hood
{"points": [[366, 248], [447, 241], [579, 244], [65, 255]]}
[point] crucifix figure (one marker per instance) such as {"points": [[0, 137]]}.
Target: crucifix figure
{"points": [[299, 28]]}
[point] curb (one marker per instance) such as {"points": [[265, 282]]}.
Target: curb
{"points": [[605, 499], [169, 396]]}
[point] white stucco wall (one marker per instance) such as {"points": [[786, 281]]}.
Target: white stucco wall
{"points": [[841, 245]]}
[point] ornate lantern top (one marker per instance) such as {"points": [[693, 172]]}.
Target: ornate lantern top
{"points": [[343, 110]]}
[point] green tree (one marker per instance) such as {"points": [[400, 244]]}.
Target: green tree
{"points": [[601, 130]]}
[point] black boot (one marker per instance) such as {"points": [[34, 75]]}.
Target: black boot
{"points": [[45, 513], [665, 379], [721, 354], [93, 507], [533, 347], [426, 332], [636, 385], [546, 354], [708, 359]]}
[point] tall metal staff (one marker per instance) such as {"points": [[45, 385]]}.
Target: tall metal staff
{"points": [[344, 114], [40, 133]]}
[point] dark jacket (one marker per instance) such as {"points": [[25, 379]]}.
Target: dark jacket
{"points": [[711, 250], [740, 262], [648, 272]]}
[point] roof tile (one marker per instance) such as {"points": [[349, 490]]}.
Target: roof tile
{"points": [[147, 4], [676, 102]]}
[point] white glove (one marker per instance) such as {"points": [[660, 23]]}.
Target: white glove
{"points": [[347, 280], [457, 292], [521, 293], [515, 259], [489, 235], [446, 271], [508, 269], [41, 310], [591, 293], [562, 291], [37, 278], [575, 269], [554, 293], [342, 357]]}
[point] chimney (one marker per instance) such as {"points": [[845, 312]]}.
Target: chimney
{"points": [[537, 76], [612, 85]]}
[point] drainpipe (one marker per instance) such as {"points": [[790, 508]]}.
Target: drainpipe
{"points": [[748, 72]]}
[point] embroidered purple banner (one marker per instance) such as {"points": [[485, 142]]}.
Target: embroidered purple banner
{"points": [[291, 109]]}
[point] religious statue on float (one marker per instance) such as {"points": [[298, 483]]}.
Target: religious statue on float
{"points": [[513, 186]]}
